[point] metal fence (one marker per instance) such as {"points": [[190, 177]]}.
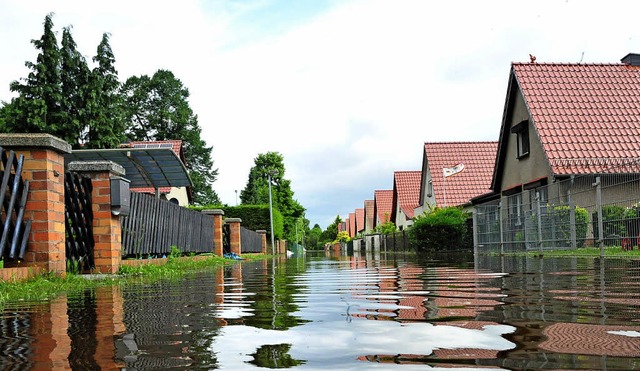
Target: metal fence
{"points": [[13, 198], [596, 210], [155, 225]]}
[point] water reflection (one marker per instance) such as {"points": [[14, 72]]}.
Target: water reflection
{"points": [[379, 311]]}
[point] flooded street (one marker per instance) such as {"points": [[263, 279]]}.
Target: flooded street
{"points": [[345, 313]]}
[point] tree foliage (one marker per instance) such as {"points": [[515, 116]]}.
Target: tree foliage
{"points": [[331, 233], [62, 96], [256, 192], [157, 108]]}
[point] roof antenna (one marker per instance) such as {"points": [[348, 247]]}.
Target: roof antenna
{"points": [[581, 58]]}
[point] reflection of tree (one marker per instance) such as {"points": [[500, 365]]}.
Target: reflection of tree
{"points": [[273, 307], [275, 356]]}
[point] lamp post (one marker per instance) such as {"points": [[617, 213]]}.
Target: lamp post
{"points": [[236, 197], [269, 174]]}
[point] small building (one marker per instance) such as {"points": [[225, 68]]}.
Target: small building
{"points": [[406, 195], [382, 203]]}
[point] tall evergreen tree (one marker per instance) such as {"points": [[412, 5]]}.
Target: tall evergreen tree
{"points": [[106, 118], [256, 191], [38, 107], [74, 76], [157, 108]]}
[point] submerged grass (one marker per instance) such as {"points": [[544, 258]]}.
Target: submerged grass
{"points": [[47, 286]]}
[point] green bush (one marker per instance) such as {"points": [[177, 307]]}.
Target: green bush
{"points": [[440, 229], [254, 217], [613, 225], [561, 219]]}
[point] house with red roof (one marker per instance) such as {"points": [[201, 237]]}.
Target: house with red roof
{"points": [[453, 173], [359, 221], [382, 202], [178, 195], [369, 216], [352, 225], [406, 195], [564, 122]]}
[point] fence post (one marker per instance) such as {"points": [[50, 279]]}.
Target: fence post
{"points": [[572, 221], [539, 212], [501, 228], [263, 236], [107, 230], [234, 238], [598, 186], [217, 230], [475, 231], [44, 169]]}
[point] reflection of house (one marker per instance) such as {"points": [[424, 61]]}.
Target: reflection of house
{"points": [[382, 202], [406, 194], [179, 195], [562, 120], [453, 173]]}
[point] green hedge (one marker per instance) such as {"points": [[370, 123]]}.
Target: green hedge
{"points": [[441, 229], [254, 217]]}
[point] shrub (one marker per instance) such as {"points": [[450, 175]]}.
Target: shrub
{"points": [[439, 229], [561, 219], [613, 225]]}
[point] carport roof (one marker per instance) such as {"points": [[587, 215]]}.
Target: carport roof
{"points": [[144, 167]]}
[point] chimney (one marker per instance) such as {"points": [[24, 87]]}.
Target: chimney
{"points": [[631, 59]]}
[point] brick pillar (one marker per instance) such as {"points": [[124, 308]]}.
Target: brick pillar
{"points": [[217, 230], [234, 238], [107, 231], [44, 169], [263, 235]]}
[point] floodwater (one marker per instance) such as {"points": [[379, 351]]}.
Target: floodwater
{"points": [[317, 312]]}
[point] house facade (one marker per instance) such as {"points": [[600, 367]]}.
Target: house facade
{"points": [[382, 203], [567, 128]]}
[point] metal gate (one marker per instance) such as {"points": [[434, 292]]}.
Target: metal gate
{"points": [[78, 222], [13, 199]]}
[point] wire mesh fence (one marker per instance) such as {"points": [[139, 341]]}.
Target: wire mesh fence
{"points": [[592, 210]]}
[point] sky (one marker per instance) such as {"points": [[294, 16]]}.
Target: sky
{"points": [[348, 91]]}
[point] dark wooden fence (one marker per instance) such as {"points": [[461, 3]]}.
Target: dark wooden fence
{"points": [[251, 241], [78, 221], [13, 199], [154, 226]]}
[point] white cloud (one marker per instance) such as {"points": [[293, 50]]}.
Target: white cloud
{"points": [[347, 92]]}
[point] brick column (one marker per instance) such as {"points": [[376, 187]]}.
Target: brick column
{"points": [[234, 238], [44, 169], [107, 231], [263, 235], [217, 230]]}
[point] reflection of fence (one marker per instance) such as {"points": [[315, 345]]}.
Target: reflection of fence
{"points": [[568, 214], [251, 241], [154, 226]]}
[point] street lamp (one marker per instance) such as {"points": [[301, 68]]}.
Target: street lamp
{"points": [[236, 197], [271, 173]]}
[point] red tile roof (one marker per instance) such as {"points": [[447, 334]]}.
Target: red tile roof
{"points": [[587, 116], [383, 200], [352, 225], [407, 188], [368, 214], [475, 178], [359, 220]]}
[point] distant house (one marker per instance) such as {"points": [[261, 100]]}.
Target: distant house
{"points": [[406, 195], [178, 195], [563, 121], [360, 227], [352, 225], [453, 173], [382, 203], [369, 216]]}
